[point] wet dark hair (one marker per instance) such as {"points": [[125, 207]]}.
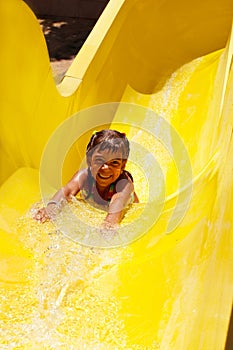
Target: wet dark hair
{"points": [[111, 140]]}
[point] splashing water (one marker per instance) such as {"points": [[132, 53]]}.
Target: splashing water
{"points": [[66, 308]]}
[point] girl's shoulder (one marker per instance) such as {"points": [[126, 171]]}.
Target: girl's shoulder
{"points": [[120, 185], [126, 175], [80, 176]]}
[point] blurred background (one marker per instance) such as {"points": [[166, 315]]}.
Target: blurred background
{"points": [[66, 24]]}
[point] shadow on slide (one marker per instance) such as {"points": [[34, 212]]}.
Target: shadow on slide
{"points": [[163, 74]]}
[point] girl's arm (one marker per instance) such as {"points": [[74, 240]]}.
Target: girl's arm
{"points": [[70, 189], [118, 203]]}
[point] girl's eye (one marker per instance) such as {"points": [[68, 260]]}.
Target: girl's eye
{"points": [[115, 163], [99, 161]]}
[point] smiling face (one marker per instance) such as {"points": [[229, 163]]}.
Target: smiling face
{"points": [[106, 166]]}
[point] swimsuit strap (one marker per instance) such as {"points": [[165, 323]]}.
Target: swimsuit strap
{"points": [[129, 175], [88, 192], [110, 191]]}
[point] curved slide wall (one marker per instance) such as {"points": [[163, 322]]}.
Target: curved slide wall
{"points": [[164, 291]]}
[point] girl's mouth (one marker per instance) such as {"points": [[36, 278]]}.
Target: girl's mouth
{"points": [[104, 177]]}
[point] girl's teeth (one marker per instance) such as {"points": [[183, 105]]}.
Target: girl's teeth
{"points": [[104, 177]]}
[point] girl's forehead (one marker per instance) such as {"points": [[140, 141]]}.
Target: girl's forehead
{"points": [[107, 154]]}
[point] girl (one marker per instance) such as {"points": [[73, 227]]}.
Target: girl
{"points": [[105, 182]]}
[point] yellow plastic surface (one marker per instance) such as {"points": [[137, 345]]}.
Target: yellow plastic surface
{"points": [[163, 291]]}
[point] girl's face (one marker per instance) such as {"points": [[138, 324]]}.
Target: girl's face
{"points": [[106, 167]]}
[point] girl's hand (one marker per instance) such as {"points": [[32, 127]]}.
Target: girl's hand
{"points": [[41, 215], [108, 230], [47, 213]]}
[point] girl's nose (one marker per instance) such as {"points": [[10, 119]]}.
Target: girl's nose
{"points": [[104, 166]]}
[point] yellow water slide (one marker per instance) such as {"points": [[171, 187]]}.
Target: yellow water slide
{"points": [[162, 72]]}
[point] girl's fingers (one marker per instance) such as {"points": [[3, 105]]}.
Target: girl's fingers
{"points": [[41, 215]]}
